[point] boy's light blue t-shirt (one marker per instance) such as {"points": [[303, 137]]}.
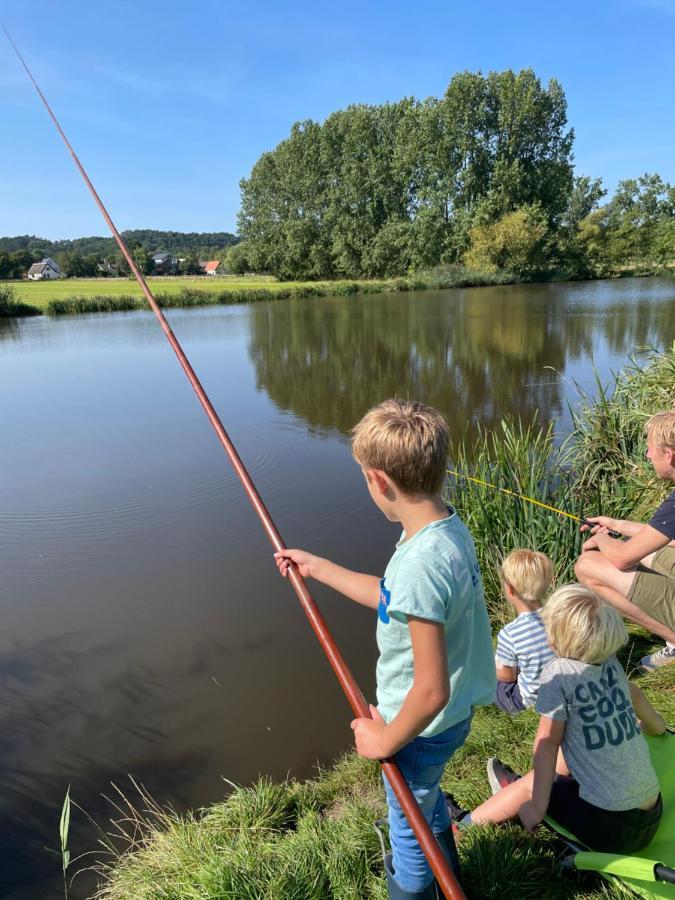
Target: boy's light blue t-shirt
{"points": [[435, 576]]}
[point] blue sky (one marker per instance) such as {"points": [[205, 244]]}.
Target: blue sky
{"points": [[170, 104]]}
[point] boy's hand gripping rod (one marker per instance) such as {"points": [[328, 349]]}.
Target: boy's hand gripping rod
{"points": [[418, 823]]}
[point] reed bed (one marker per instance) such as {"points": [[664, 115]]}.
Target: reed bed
{"points": [[522, 458], [610, 445], [314, 840], [10, 307]]}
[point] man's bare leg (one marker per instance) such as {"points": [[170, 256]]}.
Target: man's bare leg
{"points": [[597, 572]]}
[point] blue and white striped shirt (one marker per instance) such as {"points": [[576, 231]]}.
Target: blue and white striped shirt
{"points": [[523, 644]]}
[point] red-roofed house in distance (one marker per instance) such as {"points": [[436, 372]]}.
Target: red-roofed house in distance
{"points": [[211, 268]]}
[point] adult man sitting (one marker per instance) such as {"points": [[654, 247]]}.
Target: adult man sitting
{"points": [[637, 576]]}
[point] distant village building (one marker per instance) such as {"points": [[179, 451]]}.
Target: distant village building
{"points": [[165, 264], [108, 268], [44, 270], [213, 267]]}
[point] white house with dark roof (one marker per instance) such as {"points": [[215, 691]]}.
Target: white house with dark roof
{"points": [[44, 270]]}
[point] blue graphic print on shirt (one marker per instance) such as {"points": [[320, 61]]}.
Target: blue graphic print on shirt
{"points": [[385, 600], [602, 743], [607, 712]]}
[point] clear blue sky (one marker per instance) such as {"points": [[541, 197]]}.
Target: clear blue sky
{"points": [[170, 104]]}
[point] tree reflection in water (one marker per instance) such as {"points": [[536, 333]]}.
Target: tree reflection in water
{"points": [[477, 354]]}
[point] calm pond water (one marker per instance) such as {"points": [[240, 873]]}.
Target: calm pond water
{"points": [[144, 627]]}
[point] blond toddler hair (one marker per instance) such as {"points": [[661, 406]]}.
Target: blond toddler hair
{"points": [[529, 573], [580, 625]]}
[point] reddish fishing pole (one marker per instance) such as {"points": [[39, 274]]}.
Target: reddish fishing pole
{"points": [[418, 823]]}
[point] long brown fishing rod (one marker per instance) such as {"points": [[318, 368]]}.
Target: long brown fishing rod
{"points": [[430, 846]]}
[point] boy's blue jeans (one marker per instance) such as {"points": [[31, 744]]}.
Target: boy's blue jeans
{"points": [[421, 762]]}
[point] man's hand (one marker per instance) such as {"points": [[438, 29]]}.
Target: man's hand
{"points": [[590, 544], [531, 816], [369, 736], [602, 524], [306, 562]]}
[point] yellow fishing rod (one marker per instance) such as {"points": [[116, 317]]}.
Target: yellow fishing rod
{"points": [[561, 512]]}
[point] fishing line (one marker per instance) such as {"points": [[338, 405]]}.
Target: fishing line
{"points": [[427, 841], [516, 496]]}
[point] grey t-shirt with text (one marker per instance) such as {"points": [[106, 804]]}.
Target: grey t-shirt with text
{"points": [[603, 745]]}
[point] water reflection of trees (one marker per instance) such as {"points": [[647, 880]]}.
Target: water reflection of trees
{"points": [[475, 354], [639, 324], [328, 361]]}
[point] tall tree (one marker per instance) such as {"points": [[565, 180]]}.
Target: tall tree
{"points": [[572, 254], [636, 228], [143, 260], [377, 190]]}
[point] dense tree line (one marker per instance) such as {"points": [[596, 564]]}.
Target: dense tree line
{"points": [[482, 177], [176, 242], [82, 257], [636, 229]]}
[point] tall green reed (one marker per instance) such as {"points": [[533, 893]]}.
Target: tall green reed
{"points": [[64, 827], [521, 457], [611, 469]]}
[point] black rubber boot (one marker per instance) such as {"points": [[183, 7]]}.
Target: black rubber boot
{"points": [[397, 893]]}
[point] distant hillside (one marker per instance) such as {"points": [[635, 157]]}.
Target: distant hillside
{"points": [[176, 242]]}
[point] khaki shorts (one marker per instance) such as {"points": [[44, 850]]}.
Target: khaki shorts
{"points": [[653, 590]]}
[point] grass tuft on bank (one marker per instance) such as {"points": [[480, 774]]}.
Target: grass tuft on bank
{"points": [[10, 307], [314, 840]]}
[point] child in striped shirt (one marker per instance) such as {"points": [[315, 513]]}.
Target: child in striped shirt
{"points": [[522, 646]]}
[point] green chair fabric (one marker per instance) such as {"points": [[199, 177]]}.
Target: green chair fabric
{"points": [[638, 871]]}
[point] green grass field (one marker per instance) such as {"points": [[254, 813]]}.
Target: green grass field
{"points": [[40, 293]]}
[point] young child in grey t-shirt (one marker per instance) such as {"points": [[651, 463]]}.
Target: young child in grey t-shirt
{"points": [[592, 771]]}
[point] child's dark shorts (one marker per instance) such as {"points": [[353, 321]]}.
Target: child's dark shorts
{"points": [[604, 830], [508, 697]]}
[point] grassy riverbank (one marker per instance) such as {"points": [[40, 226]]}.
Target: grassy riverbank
{"points": [[314, 840], [65, 296]]}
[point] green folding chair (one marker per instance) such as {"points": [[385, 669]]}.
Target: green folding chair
{"points": [[651, 872]]}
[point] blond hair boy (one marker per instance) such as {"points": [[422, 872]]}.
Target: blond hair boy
{"points": [[522, 646], [435, 651], [637, 576]]}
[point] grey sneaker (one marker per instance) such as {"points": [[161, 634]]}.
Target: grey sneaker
{"points": [[663, 657], [499, 774]]}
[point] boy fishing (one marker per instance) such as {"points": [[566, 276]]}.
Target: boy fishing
{"points": [[435, 651], [637, 576]]}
